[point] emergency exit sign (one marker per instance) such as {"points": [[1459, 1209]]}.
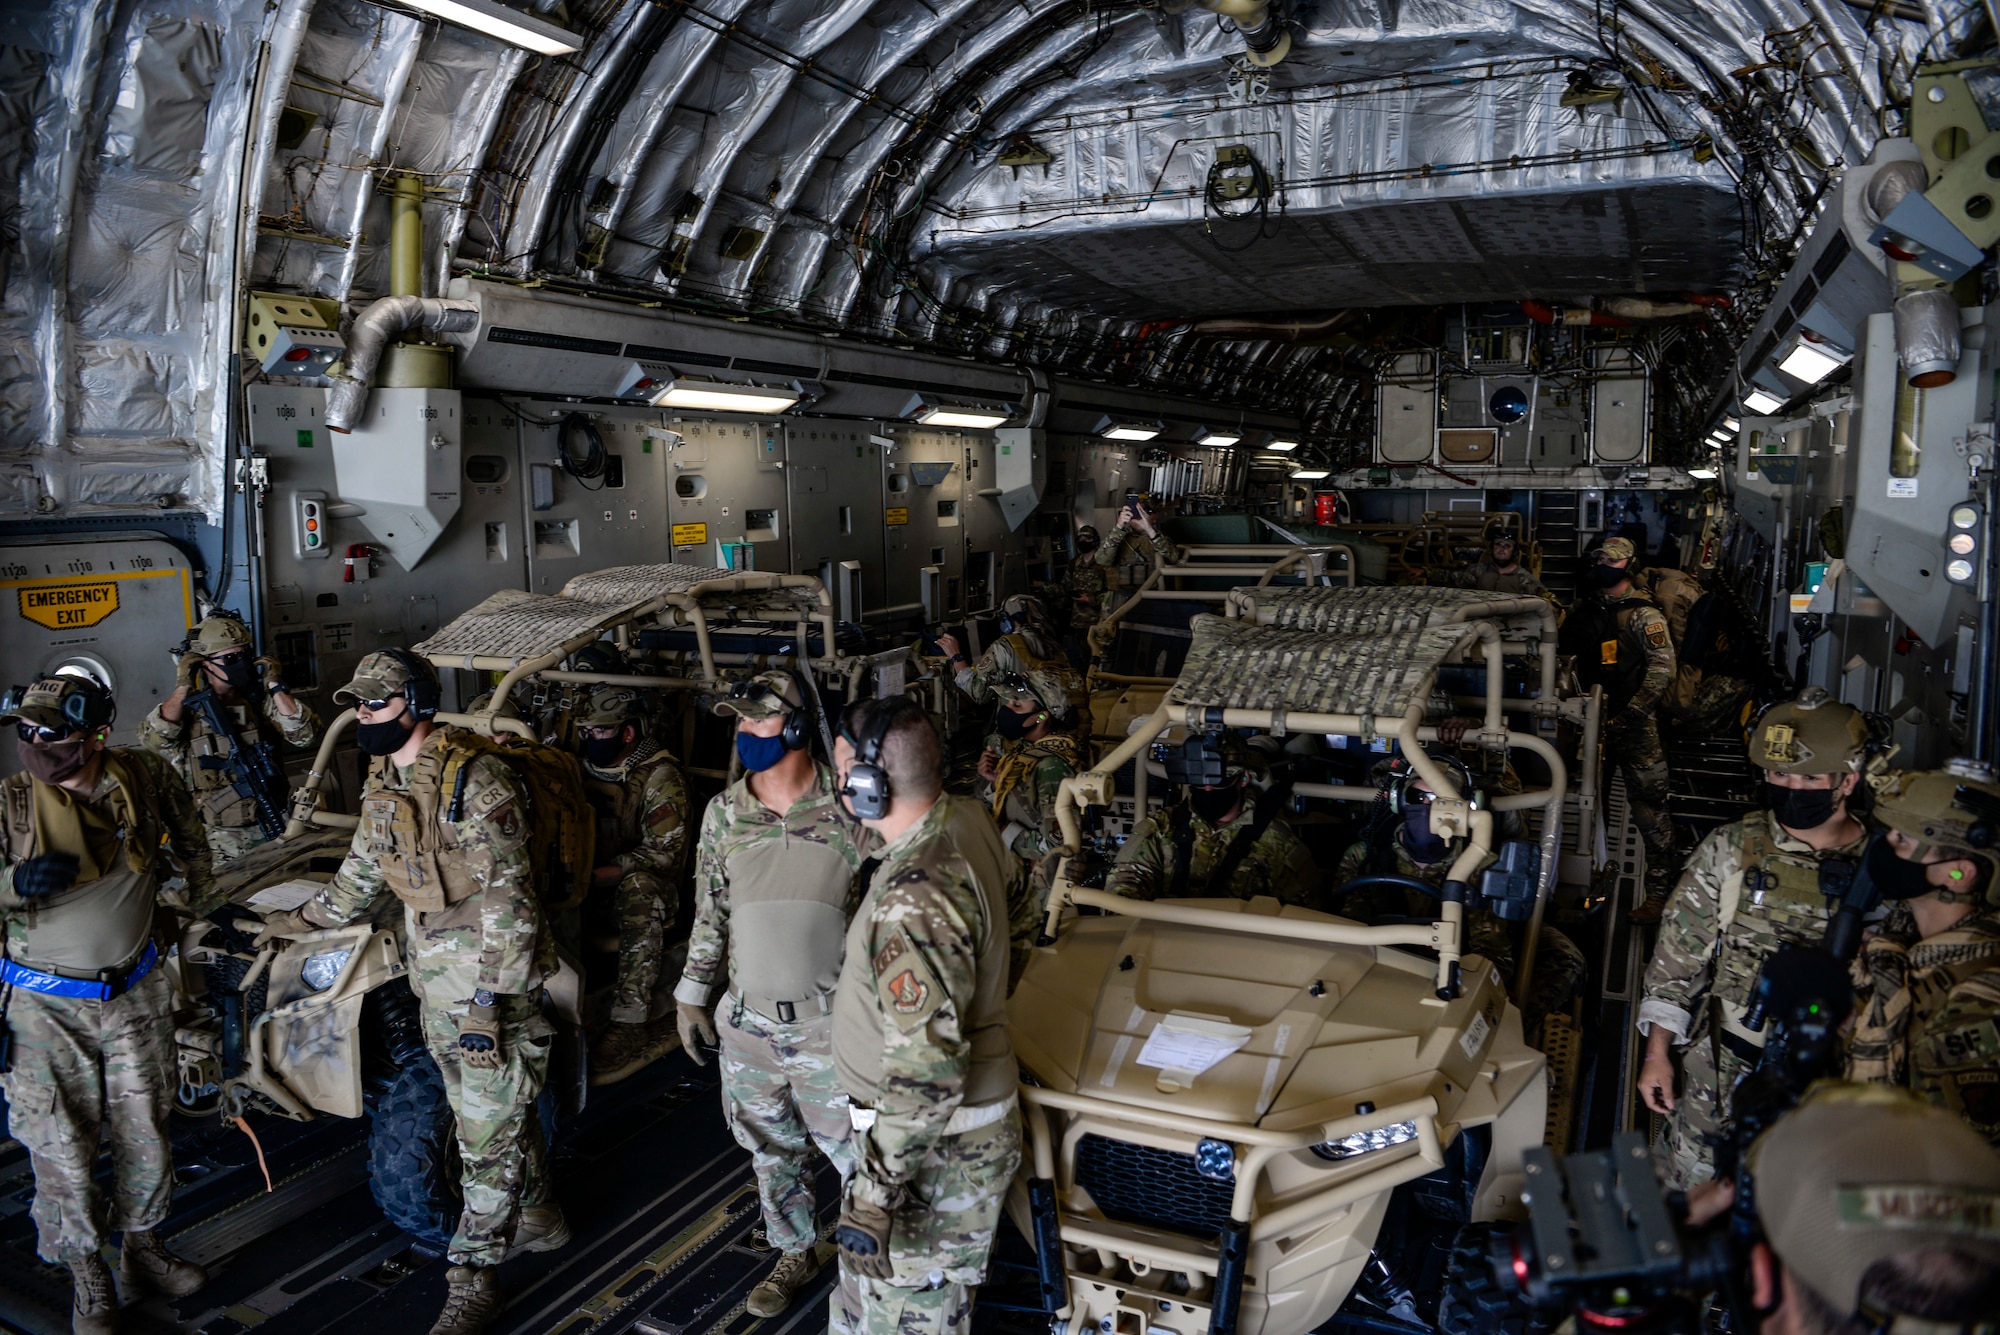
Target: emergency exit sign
{"points": [[69, 606]]}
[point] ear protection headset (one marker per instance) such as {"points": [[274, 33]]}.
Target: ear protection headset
{"points": [[422, 692], [867, 789], [84, 710], [797, 719], [1402, 774]]}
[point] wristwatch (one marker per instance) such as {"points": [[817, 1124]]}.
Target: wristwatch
{"points": [[481, 997]]}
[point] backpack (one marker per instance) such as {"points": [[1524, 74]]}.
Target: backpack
{"points": [[562, 825]]}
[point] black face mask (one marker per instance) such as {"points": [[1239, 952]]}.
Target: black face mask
{"points": [[241, 674], [1085, 546], [1801, 808], [383, 739], [604, 752], [1423, 845], [1012, 726], [1896, 877], [1212, 804], [1609, 577]]}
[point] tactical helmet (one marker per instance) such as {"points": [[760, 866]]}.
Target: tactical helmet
{"points": [[1955, 810], [70, 700], [218, 633], [1037, 686], [611, 707], [1814, 734], [602, 657]]}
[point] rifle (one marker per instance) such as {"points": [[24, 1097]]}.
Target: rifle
{"points": [[253, 770]]}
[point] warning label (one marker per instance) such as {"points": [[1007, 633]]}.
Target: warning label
{"points": [[896, 514], [690, 535], [69, 606]]}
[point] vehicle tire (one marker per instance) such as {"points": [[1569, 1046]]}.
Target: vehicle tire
{"points": [[1473, 1302], [413, 1153]]}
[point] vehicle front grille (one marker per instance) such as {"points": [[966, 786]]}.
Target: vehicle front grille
{"points": [[1136, 1184]]}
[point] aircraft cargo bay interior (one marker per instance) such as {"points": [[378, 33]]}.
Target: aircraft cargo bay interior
{"points": [[958, 667]]}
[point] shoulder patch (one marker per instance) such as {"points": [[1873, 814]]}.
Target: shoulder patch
{"points": [[1656, 635], [489, 798], [908, 989], [1975, 1044]]}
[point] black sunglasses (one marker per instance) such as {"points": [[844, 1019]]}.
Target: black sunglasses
{"points": [[377, 706], [31, 732]]}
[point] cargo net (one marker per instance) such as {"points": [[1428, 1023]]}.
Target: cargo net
{"points": [[1366, 611], [1238, 665], [631, 584]]}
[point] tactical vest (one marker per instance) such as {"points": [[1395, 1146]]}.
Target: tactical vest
{"points": [[102, 923], [616, 802], [405, 833], [1243, 837], [217, 800], [1596, 633], [788, 903], [1774, 900], [965, 833]]}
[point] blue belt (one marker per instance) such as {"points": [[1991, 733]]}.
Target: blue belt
{"points": [[84, 989]]}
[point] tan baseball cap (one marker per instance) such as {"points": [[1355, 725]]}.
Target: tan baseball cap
{"points": [[376, 677], [63, 700], [761, 696], [1614, 549], [1859, 1173]]}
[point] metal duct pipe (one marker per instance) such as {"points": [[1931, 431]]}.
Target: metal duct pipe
{"points": [[1263, 32], [1891, 183], [1288, 330], [1927, 338], [406, 236], [386, 319]]}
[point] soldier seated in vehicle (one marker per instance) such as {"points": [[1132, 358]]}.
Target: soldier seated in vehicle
{"points": [[1928, 1011], [1019, 784], [1222, 839], [1498, 571], [641, 802], [1399, 842], [220, 657]]}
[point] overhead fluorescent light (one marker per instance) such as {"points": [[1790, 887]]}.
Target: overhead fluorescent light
{"points": [[1282, 446], [721, 397], [1812, 362], [1762, 402], [927, 411], [1218, 439], [1112, 428], [1719, 438], [1731, 424], [1704, 474], [507, 23], [1309, 474]]}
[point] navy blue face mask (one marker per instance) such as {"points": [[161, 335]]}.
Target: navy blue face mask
{"points": [[1417, 837], [759, 753]]}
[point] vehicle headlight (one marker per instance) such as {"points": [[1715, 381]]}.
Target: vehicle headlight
{"points": [[1215, 1160], [1361, 1142], [319, 971]]}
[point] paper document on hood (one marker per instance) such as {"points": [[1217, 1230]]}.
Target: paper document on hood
{"points": [[286, 895], [1190, 1044]]}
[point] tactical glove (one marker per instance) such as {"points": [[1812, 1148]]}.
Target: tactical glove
{"points": [[272, 672], [44, 874], [1629, 717], [479, 1035], [863, 1234], [289, 923], [691, 1020], [188, 672]]}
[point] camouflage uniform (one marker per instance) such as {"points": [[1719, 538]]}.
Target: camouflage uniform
{"points": [[88, 1072], [1634, 662], [1486, 574], [1716, 933], [231, 820], [495, 940], [1023, 797], [779, 1090], [920, 1038], [1082, 587], [641, 806], [1126, 548], [1277, 864], [1559, 965], [1013, 656]]}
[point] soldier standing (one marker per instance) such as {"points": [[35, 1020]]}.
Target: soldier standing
{"points": [[220, 657], [1028, 644], [1081, 592], [1220, 840], [1750, 888], [87, 1026], [920, 1036], [1021, 781], [1621, 642], [1499, 571], [457, 855], [776, 879], [641, 803], [1401, 843], [1123, 546], [1928, 1013]]}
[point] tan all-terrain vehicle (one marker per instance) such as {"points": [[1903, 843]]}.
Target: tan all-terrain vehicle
{"points": [[1224, 1101]]}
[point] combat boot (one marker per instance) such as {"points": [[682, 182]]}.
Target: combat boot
{"points": [[94, 1306], [144, 1266], [792, 1273], [471, 1300], [622, 1050], [1659, 889], [542, 1228]]}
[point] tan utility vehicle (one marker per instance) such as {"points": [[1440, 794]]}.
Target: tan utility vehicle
{"points": [[1223, 1098]]}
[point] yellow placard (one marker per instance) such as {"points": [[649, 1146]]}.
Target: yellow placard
{"points": [[69, 605], [690, 535], [896, 514]]}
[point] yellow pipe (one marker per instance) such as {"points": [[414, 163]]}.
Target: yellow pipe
{"points": [[406, 236]]}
